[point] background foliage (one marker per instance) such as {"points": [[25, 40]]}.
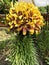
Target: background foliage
{"points": [[44, 9], [43, 44], [5, 5]]}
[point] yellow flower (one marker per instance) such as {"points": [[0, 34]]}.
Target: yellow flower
{"points": [[25, 18]]}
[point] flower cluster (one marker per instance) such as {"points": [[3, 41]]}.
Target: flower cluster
{"points": [[24, 17]]}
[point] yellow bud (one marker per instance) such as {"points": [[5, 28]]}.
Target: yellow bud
{"points": [[37, 32], [14, 22], [21, 21], [35, 15], [35, 21], [10, 23], [20, 17], [11, 27], [14, 15], [10, 16], [19, 29], [16, 25], [24, 31], [7, 18], [31, 31]]}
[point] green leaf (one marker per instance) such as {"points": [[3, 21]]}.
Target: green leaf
{"points": [[23, 51]]}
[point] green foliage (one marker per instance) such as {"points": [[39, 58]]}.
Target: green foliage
{"points": [[6, 42], [44, 9], [47, 60], [48, 8], [23, 51], [3, 44], [43, 43], [5, 5]]}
